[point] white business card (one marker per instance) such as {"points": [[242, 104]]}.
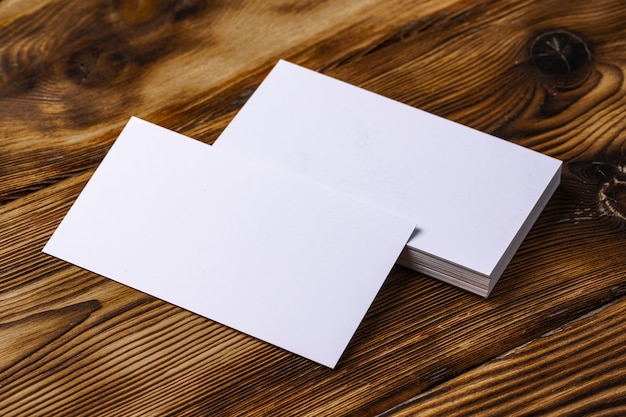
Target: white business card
{"points": [[276, 256]]}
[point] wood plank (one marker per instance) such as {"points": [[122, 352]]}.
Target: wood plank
{"points": [[578, 369], [418, 333], [75, 343], [71, 74]]}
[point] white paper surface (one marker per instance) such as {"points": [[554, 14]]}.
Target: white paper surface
{"points": [[468, 192], [274, 256]]}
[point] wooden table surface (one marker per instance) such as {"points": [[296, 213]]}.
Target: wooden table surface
{"points": [[548, 75]]}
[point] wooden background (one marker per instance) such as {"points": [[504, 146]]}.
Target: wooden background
{"points": [[546, 74]]}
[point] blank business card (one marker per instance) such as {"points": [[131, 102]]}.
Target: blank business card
{"points": [[278, 257]]}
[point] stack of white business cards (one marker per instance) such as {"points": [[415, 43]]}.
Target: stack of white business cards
{"points": [[473, 197], [287, 227]]}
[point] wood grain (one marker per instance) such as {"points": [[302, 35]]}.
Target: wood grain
{"points": [[578, 369], [69, 84], [71, 73]]}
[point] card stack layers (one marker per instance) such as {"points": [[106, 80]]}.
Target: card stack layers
{"points": [[473, 197]]}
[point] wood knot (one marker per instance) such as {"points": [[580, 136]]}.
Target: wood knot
{"points": [[607, 182], [91, 67], [612, 198], [560, 52]]}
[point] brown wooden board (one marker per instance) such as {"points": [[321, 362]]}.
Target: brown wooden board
{"points": [[579, 369], [548, 75]]}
